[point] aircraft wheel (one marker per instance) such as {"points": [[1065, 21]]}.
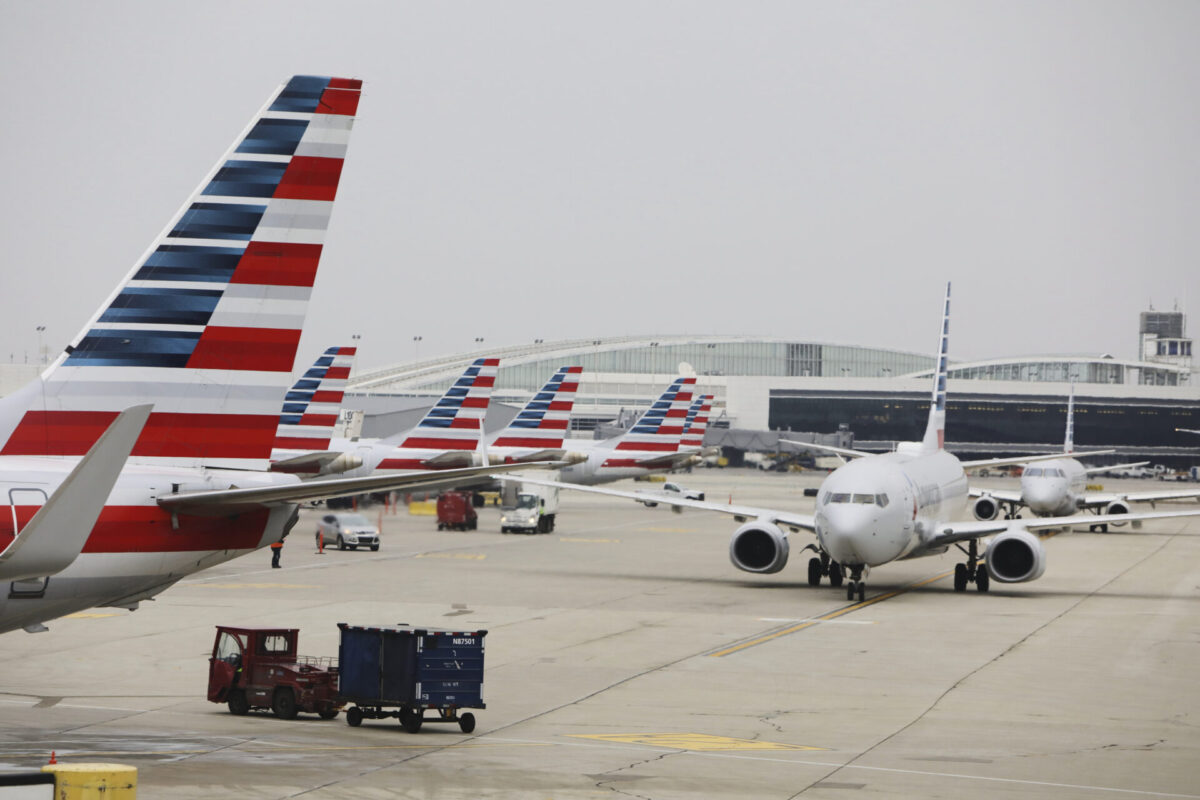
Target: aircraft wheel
{"points": [[850, 590], [466, 723], [960, 577], [835, 574], [814, 572], [239, 706], [354, 716], [982, 579], [862, 591]]}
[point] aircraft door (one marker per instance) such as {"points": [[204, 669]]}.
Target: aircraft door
{"points": [[22, 505]]}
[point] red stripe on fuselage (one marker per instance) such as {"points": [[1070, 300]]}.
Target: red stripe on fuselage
{"points": [[648, 446], [278, 264], [148, 529], [258, 349], [166, 435], [518, 441], [426, 443]]}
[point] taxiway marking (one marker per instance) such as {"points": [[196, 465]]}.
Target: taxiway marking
{"points": [[702, 742]]}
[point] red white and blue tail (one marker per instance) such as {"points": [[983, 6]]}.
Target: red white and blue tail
{"points": [[456, 421], [693, 433], [205, 326], [935, 430], [543, 422], [313, 404], [661, 428]]}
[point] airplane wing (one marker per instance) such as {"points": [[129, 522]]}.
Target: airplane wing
{"points": [[1099, 500], [1111, 467], [1004, 462], [962, 531], [1006, 495], [52, 540], [222, 502], [837, 451], [740, 513]]}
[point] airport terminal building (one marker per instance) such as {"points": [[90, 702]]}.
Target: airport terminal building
{"points": [[881, 396]]}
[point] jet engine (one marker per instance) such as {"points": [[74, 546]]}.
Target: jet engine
{"points": [[1117, 507], [1016, 556], [985, 507], [759, 547]]}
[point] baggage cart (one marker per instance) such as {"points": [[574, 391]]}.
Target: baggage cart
{"points": [[456, 511], [414, 674]]}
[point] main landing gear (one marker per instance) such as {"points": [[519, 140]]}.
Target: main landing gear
{"points": [[821, 564], [972, 571]]}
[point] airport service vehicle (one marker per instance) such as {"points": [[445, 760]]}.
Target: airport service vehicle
{"points": [[456, 511], [259, 668], [528, 508], [415, 674], [876, 509], [347, 530]]}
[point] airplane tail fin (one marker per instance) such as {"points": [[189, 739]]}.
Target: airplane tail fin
{"points": [[693, 434], [1069, 442], [661, 427], [456, 421], [543, 422], [313, 404], [205, 326], [935, 430]]}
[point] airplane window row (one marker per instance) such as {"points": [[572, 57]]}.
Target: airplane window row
{"points": [[861, 499]]}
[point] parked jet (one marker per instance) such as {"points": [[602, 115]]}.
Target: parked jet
{"points": [[310, 414], [1058, 488], [204, 328], [880, 508], [537, 432], [650, 445]]}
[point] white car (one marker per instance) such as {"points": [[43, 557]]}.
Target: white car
{"points": [[674, 490], [347, 530]]}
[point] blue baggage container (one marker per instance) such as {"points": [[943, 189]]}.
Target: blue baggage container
{"points": [[410, 669]]}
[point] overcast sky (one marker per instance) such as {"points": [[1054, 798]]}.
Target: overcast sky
{"points": [[811, 170]]}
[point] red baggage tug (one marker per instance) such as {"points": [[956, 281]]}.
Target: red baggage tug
{"points": [[260, 668]]}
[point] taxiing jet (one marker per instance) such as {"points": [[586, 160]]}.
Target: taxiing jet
{"points": [[140, 455], [650, 445], [877, 509], [1058, 487]]}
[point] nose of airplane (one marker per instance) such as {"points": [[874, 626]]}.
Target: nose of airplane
{"points": [[1042, 495], [859, 535]]}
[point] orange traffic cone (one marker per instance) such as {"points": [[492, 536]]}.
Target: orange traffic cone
{"points": [[52, 760]]}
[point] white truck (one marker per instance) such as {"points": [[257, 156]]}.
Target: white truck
{"points": [[526, 508]]}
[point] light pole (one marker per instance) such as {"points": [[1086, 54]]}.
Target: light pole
{"points": [[417, 348], [41, 353], [355, 337]]}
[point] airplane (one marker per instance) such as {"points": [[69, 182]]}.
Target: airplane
{"points": [[1057, 487], [537, 432], [697, 424], [139, 456], [650, 445], [310, 414], [879, 508]]}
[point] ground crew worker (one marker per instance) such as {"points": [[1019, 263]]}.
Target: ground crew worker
{"points": [[276, 550]]}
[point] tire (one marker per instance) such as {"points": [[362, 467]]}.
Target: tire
{"points": [[960, 577], [474, 523], [835, 574], [850, 591], [239, 706], [354, 716], [466, 723], [374, 548], [353, 547], [862, 591], [327, 713], [411, 719], [982, 579], [814, 572], [341, 543], [441, 527], [284, 703]]}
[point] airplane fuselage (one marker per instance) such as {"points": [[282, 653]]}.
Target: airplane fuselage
{"points": [[875, 510], [605, 464], [1053, 488], [136, 548]]}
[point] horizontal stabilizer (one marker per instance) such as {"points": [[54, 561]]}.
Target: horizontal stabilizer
{"points": [[450, 459], [306, 462], [1111, 467], [1005, 462], [839, 451], [54, 538], [670, 460], [221, 502]]}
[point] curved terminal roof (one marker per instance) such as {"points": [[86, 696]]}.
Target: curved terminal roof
{"points": [[1066, 369]]}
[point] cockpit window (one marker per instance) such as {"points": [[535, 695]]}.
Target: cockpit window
{"points": [[863, 499], [881, 499], [839, 497], [1034, 472]]}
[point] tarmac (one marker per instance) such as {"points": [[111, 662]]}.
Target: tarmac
{"points": [[626, 657]]}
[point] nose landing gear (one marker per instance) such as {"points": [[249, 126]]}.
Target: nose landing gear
{"points": [[856, 587], [972, 571], [822, 565]]}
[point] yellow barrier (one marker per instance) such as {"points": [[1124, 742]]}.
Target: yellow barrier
{"points": [[93, 781], [423, 508]]}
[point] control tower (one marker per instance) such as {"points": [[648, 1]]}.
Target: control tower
{"points": [[1162, 338]]}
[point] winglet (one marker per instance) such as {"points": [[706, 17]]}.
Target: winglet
{"points": [[54, 538], [935, 431]]}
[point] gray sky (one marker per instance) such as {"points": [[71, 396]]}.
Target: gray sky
{"points": [[814, 170]]}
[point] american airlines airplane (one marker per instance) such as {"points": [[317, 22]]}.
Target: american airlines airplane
{"points": [[1058, 487], [538, 431], [140, 455], [880, 508], [650, 445]]}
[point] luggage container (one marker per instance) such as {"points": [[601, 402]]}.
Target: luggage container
{"points": [[403, 671]]}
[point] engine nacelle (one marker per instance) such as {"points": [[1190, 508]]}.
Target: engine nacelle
{"points": [[343, 463], [1117, 507], [1016, 556], [759, 547], [985, 507]]}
